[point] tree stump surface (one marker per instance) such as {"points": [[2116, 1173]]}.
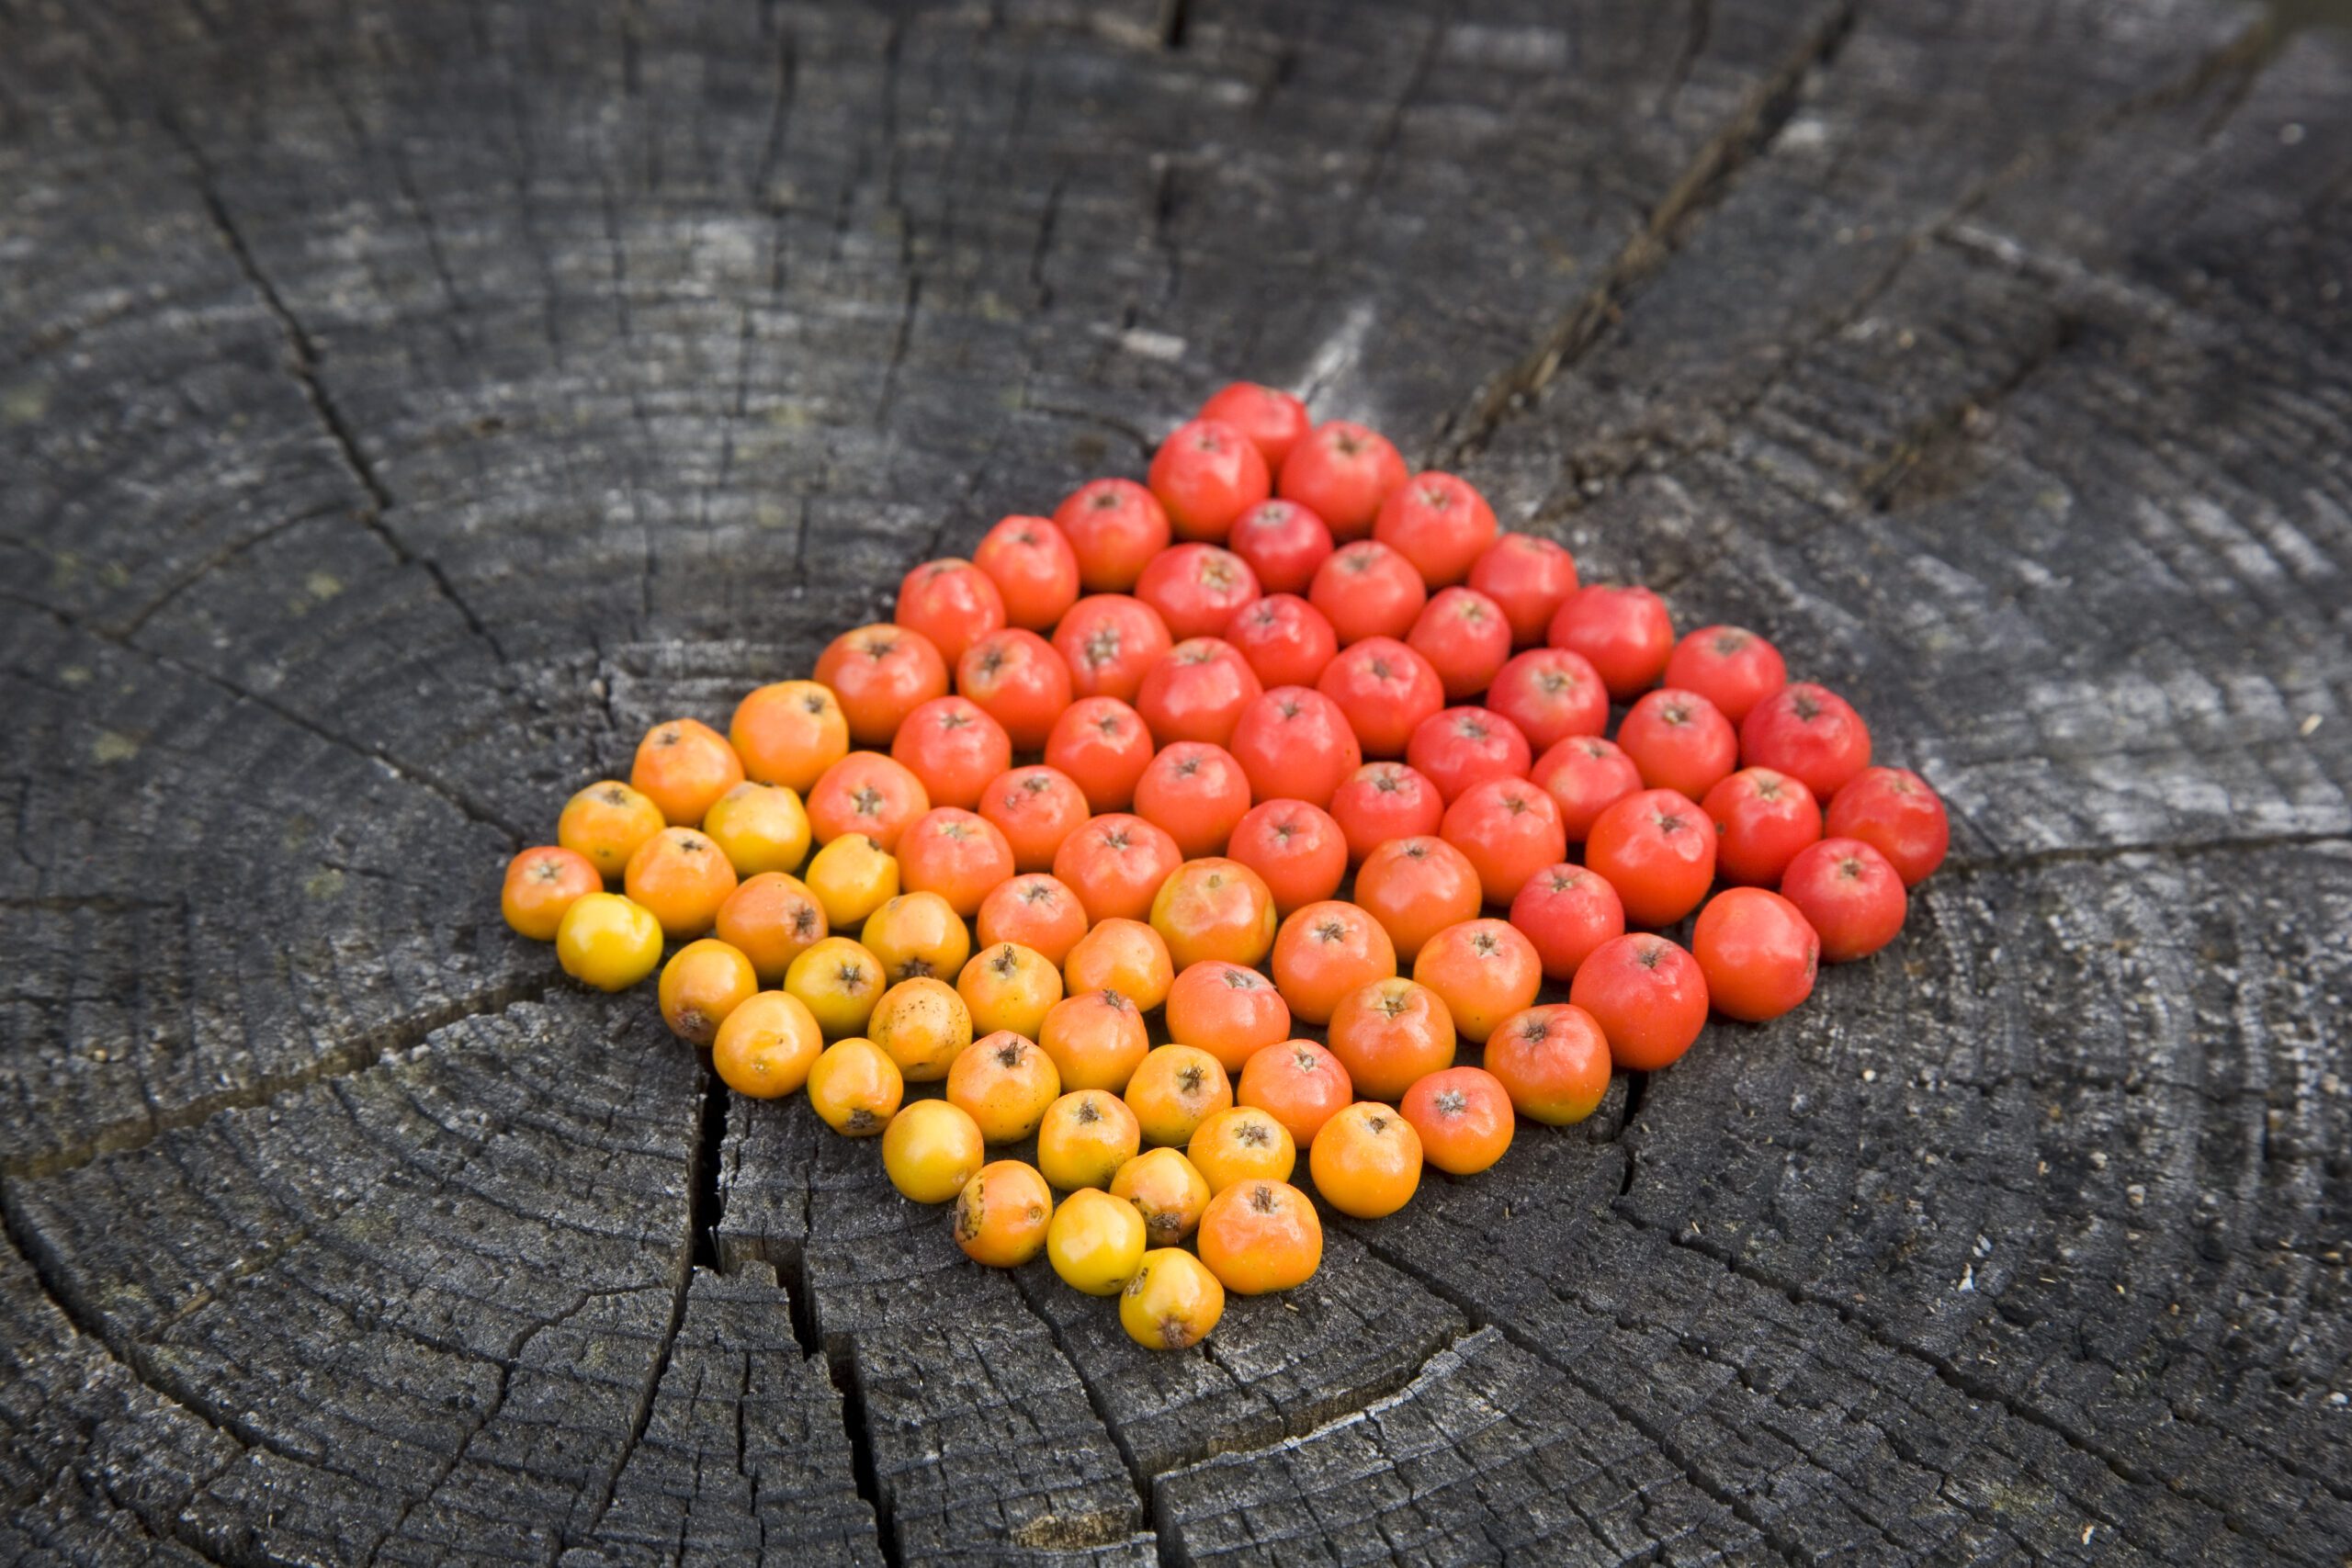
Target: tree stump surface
{"points": [[402, 405]]}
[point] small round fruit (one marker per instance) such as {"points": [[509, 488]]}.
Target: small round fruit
{"points": [[1483, 970], [683, 877], [838, 982], [1295, 743], [607, 942], [1894, 812], [1110, 642], [1552, 1062], [684, 767], [1115, 864], [1286, 640], [1214, 908], [1196, 792], [1299, 1084], [1759, 954], [1849, 893], [1166, 1191], [1197, 589], [1115, 527], [1227, 1011], [1009, 987], [1367, 590], [1095, 1242], [1096, 1039], [952, 749], [607, 822], [1389, 1034], [869, 793], [1385, 689], [1283, 542], [951, 602], [1507, 829], [1456, 748], [1239, 1144], [1648, 996], [702, 983], [1567, 911], [1104, 746], [1175, 1090], [1273, 420], [879, 673], [1002, 1214], [957, 855], [1464, 636], [1206, 474], [917, 934], [759, 828], [1585, 775], [1343, 473], [1260, 1235], [1033, 569], [1730, 666], [931, 1149], [1325, 953], [1197, 691], [1366, 1161], [772, 918], [1625, 633], [1679, 742], [1172, 1303], [1384, 801], [1005, 1083], [1035, 808], [1440, 523], [768, 1045], [1017, 679], [852, 877], [1529, 578], [789, 733], [1464, 1118], [1085, 1137], [924, 1026], [1036, 910], [1126, 956], [1551, 694], [1810, 733], [541, 885], [1296, 848], [1658, 850], [1416, 887], [854, 1088]]}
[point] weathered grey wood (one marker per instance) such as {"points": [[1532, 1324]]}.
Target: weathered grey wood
{"points": [[403, 406]]}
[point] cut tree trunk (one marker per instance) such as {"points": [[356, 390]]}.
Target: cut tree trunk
{"points": [[402, 405]]}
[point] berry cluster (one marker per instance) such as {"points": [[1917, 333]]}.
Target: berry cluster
{"points": [[1203, 664]]}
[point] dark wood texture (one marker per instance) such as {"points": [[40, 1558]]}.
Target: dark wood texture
{"points": [[401, 405]]}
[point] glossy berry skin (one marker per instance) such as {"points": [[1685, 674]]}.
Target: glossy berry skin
{"points": [[1381, 801], [1167, 1192], [1657, 849], [1552, 1062], [1173, 1303], [1297, 849], [606, 823], [1284, 543], [1114, 863], [1385, 690], [1585, 775], [852, 877], [1299, 1084], [1367, 590], [1529, 578], [1018, 678], [1115, 527], [1206, 474], [952, 749], [1197, 793], [1286, 640], [931, 1149], [1273, 420], [1567, 911], [1730, 666], [915, 936], [1678, 741], [1038, 911], [1094, 1241], [956, 854], [1464, 1118], [1035, 808], [1342, 473], [1259, 1235], [1415, 888], [866, 793], [1810, 733], [1085, 1137], [1325, 953], [759, 828], [544, 881], [1440, 523], [788, 732], [1648, 996], [1197, 691], [880, 674], [1034, 570], [1294, 742], [1109, 641], [1624, 632], [1457, 748], [1366, 1161], [772, 918], [1123, 957], [1763, 818], [683, 877], [1484, 970], [1228, 1010], [1214, 908], [1758, 954], [607, 942], [1851, 897], [684, 767], [1551, 694], [855, 1088], [923, 1025], [1004, 1083], [1509, 830], [1097, 1040], [1104, 746], [1390, 1034], [766, 1046], [1464, 638], [1197, 589], [1894, 812], [1175, 1090], [951, 602]]}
